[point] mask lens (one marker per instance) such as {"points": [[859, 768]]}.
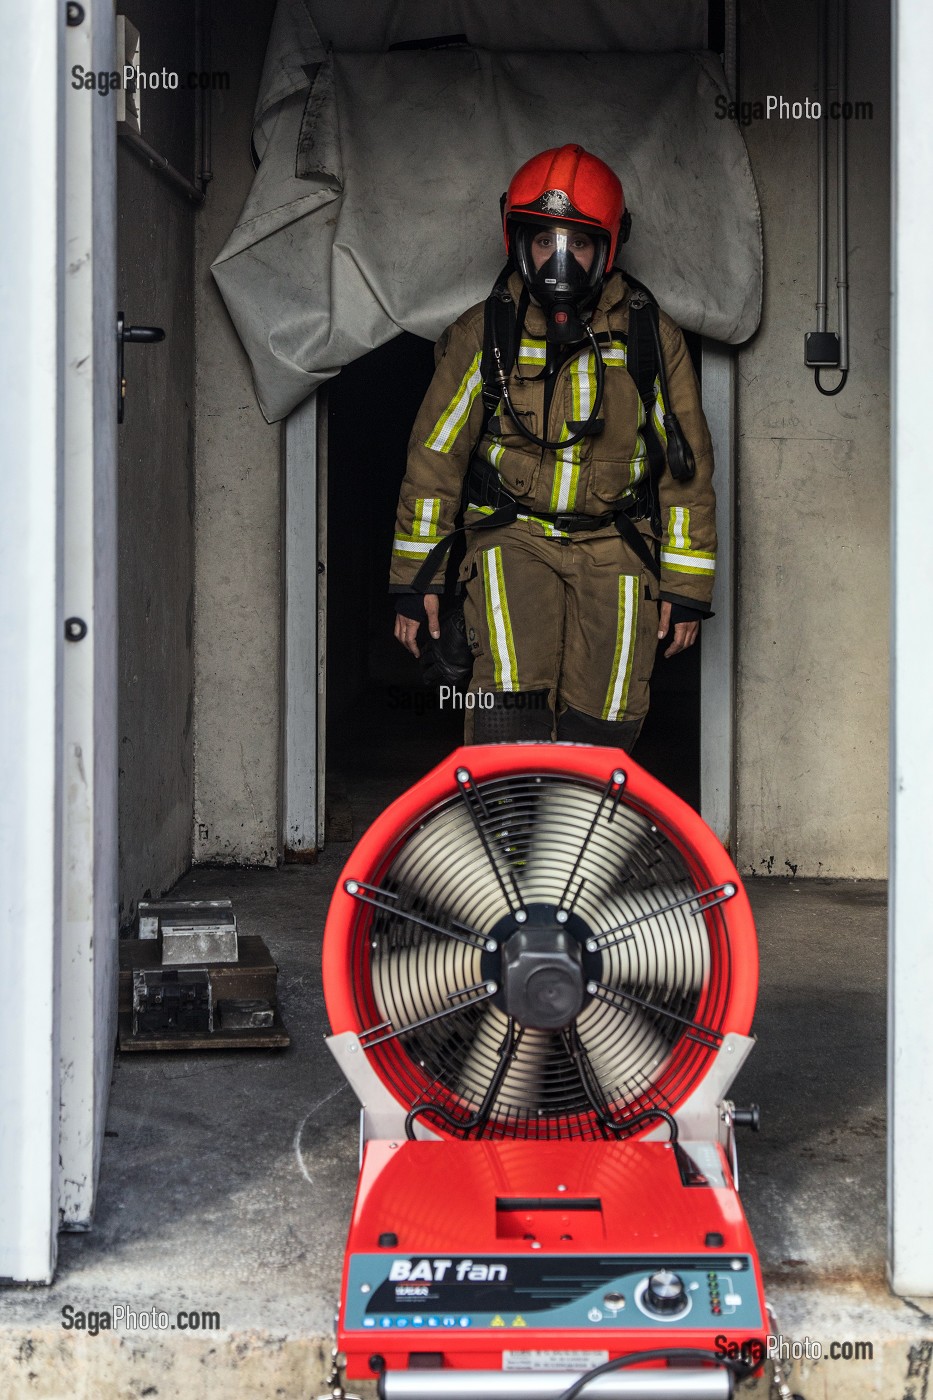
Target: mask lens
{"points": [[559, 263]]}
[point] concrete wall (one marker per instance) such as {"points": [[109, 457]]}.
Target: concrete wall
{"points": [[156, 478], [812, 493], [813, 481], [237, 506]]}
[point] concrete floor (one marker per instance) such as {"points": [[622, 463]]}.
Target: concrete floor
{"points": [[227, 1178]]}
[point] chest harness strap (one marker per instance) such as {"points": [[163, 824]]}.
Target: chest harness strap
{"points": [[502, 329]]}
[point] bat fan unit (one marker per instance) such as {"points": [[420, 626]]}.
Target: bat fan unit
{"points": [[540, 970]]}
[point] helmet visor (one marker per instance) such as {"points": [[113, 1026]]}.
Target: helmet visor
{"points": [[560, 262]]}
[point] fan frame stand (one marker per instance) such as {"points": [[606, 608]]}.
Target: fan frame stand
{"points": [[704, 1116]]}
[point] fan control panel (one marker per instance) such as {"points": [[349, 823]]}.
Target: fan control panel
{"points": [[392, 1293]]}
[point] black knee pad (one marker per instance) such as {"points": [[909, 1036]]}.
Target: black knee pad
{"points": [[578, 728], [513, 716]]}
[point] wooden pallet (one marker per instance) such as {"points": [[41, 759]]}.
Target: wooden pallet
{"points": [[252, 976]]}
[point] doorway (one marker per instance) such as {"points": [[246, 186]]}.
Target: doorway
{"points": [[385, 727]]}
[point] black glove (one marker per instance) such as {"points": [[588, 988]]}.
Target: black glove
{"points": [[411, 605], [448, 660], [682, 612]]}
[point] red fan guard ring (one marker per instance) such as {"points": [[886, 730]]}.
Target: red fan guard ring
{"points": [[726, 1004]]}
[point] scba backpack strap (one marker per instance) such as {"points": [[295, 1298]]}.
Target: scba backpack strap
{"points": [[502, 323], [645, 360]]}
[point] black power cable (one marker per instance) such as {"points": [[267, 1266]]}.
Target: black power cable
{"points": [[740, 1370], [830, 393]]}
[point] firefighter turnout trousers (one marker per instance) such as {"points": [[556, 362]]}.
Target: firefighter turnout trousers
{"points": [[573, 619]]}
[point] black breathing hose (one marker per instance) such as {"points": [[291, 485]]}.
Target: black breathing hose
{"points": [[591, 420]]}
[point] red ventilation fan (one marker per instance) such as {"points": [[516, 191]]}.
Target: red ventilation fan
{"points": [[540, 969]]}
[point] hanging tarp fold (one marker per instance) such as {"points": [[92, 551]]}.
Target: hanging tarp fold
{"points": [[376, 205]]}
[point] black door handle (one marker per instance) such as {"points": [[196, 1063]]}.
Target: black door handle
{"points": [[136, 335]]}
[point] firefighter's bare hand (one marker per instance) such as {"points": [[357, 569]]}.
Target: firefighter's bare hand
{"points": [[406, 628], [685, 633]]}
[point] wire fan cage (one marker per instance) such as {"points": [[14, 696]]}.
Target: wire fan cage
{"points": [[424, 956]]}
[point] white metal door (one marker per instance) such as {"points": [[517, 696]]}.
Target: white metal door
{"points": [[89, 676], [717, 654], [305, 626], [910, 909], [32, 95]]}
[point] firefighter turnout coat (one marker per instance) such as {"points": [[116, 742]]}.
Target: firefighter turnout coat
{"points": [[591, 477]]}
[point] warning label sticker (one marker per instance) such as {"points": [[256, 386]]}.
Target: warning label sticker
{"points": [[553, 1360]]}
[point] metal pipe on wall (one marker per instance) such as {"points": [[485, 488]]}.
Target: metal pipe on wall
{"points": [[730, 54], [830, 349], [202, 21], [159, 163], [842, 184], [822, 208]]}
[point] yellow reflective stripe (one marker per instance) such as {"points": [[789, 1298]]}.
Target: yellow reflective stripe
{"points": [[424, 535], [689, 561], [584, 374], [550, 530], [658, 412], [406, 548], [638, 466], [678, 527], [532, 352], [582, 396], [458, 410], [427, 510], [563, 476], [626, 629], [494, 453], [505, 667]]}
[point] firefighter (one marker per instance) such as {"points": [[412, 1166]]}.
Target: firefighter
{"points": [[588, 503]]}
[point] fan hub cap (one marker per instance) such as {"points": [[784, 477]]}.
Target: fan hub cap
{"points": [[543, 981]]}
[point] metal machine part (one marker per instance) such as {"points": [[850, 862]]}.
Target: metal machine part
{"points": [[244, 1014], [187, 945], [540, 970], [172, 999], [193, 931], [198, 932]]}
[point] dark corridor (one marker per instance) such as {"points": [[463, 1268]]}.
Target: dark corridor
{"points": [[384, 726]]}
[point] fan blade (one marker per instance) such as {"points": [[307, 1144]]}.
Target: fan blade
{"points": [[521, 1086], [624, 1048], [668, 951], [563, 847], [412, 982], [446, 867]]}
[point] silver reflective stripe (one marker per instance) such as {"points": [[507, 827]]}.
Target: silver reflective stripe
{"points": [[678, 530], [626, 633], [670, 1383]]}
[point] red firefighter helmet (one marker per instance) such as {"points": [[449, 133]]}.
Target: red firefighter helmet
{"points": [[570, 186]]}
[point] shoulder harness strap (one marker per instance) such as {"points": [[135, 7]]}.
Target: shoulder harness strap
{"points": [[645, 364], [502, 323]]}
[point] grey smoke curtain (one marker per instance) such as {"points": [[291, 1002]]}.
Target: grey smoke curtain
{"points": [[375, 207]]}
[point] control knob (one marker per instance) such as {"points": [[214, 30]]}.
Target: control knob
{"points": [[665, 1293]]}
